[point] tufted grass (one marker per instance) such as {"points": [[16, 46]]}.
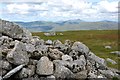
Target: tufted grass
{"points": [[94, 39]]}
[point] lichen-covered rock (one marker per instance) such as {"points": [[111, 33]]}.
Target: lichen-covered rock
{"points": [[80, 47], [18, 55], [57, 43], [30, 48], [44, 66], [67, 58], [61, 72], [75, 54], [13, 30], [62, 63], [108, 73], [42, 48], [82, 75], [55, 54], [27, 72], [5, 65], [97, 59], [77, 66]]}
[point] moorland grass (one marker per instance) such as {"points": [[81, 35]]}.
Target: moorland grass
{"points": [[94, 39]]}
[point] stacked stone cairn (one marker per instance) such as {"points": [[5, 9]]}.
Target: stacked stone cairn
{"points": [[27, 57]]}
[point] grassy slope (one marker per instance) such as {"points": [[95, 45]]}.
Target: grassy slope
{"points": [[94, 39]]}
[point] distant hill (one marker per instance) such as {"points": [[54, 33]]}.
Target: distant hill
{"points": [[77, 24]]}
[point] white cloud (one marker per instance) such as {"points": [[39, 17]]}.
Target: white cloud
{"points": [[106, 6], [18, 8], [67, 9]]}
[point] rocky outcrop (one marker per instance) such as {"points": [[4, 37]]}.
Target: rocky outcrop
{"points": [[27, 57]]}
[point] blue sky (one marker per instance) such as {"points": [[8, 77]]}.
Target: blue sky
{"points": [[58, 10]]}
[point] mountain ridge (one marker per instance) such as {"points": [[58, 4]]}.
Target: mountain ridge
{"points": [[77, 24]]}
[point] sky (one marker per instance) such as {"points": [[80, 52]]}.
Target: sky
{"points": [[58, 10]]}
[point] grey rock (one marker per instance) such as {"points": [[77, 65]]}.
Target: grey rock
{"points": [[26, 40], [62, 47], [27, 72], [5, 41], [49, 42], [5, 51], [51, 77], [30, 48], [44, 66], [108, 47], [68, 43], [18, 55], [82, 75], [2, 72], [1, 55], [0, 78], [107, 73], [101, 76], [114, 70], [37, 42], [42, 48], [5, 65], [82, 58], [77, 66], [12, 44], [92, 75], [61, 72], [50, 34], [33, 62], [111, 61], [61, 34], [116, 52], [97, 59], [67, 58], [58, 63], [57, 43], [55, 54], [32, 78], [75, 54], [36, 55], [36, 37], [13, 30], [13, 71], [78, 46]]}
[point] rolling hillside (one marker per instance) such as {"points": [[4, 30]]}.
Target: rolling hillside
{"points": [[43, 26]]}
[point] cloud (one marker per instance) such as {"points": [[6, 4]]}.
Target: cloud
{"points": [[105, 6], [18, 8], [62, 9]]}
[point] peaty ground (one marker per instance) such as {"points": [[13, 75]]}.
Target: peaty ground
{"points": [[96, 40]]}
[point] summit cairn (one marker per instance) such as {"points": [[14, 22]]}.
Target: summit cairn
{"points": [[27, 57]]}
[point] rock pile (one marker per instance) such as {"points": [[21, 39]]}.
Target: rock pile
{"points": [[27, 57]]}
